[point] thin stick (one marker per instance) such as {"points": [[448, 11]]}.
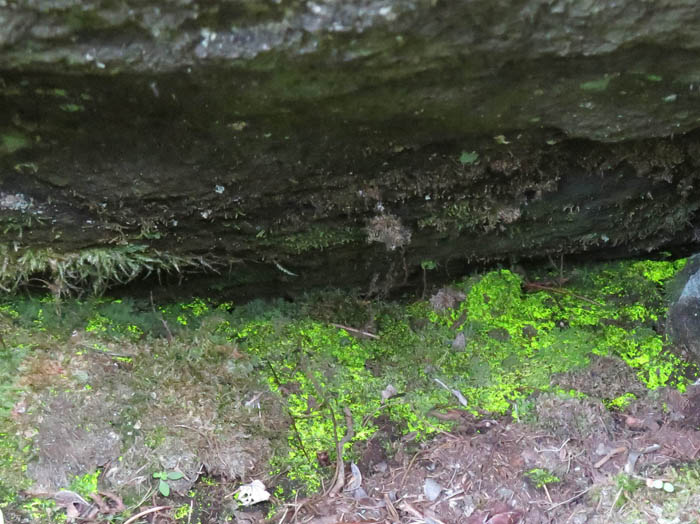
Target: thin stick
{"points": [[168, 333], [569, 500], [339, 464], [610, 455], [543, 287], [291, 415], [145, 512], [547, 492], [408, 468], [356, 331], [612, 507], [189, 513]]}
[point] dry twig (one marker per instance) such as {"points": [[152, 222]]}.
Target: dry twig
{"points": [[356, 331], [609, 456], [146, 512], [339, 476]]}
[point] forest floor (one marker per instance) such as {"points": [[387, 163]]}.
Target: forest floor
{"points": [[507, 397]]}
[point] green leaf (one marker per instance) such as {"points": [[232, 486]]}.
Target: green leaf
{"points": [[159, 475], [164, 488], [468, 158], [175, 475], [428, 265]]}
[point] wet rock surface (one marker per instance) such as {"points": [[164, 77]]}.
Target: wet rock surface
{"points": [[284, 138]]}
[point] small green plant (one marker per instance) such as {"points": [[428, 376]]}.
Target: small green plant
{"points": [[85, 485], [468, 159], [181, 512], [428, 265], [524, 411], [163, 478], [627, 486], [620, 402], [541, 477]]}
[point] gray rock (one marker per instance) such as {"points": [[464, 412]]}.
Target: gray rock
{"points": [[684, 312], [347, 141], [459, 342], [432, 489], [505, 494]]}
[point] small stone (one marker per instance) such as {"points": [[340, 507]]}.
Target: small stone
{"points": [[431, 489], [579, 518], [469, 505], [505, 494], [389, 391], [460, 341], [380, 467]]}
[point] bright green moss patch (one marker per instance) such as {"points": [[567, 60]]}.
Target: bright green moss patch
{"points": [[541, 477], [621, 402], [86, 484], [516, 338], [302, 364]]}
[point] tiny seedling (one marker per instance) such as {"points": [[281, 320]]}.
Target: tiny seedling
{"points": [[163, 478], [541, 477]]}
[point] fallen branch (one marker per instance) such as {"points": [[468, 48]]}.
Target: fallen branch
{"points": [[356, 331]]}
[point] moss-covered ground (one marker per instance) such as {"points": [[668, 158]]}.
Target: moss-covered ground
{"points": [[225, 393]]}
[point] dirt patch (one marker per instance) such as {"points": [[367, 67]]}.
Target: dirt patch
{"points": [[556, 469], [101, 409], [605, 378]]}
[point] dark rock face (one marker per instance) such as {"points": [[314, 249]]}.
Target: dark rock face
{"points": [[684, 312], [345, 142]]}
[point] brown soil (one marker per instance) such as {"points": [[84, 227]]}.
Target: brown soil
{"points": [[477, 473]]}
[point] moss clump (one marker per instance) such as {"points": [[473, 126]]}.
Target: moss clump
{"points": [[318, 238], [11, 142], [95, 269]]}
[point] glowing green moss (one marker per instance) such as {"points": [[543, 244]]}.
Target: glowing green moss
{"points": [[516, 336], [85, 485], [621, 402]]}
